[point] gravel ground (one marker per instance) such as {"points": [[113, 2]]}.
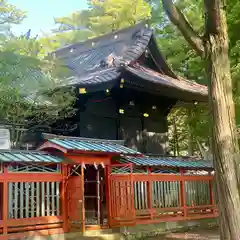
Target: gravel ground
{"points": [[191, 235]]}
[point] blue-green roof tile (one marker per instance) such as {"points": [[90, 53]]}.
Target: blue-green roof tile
{"points": [[92, 145], [176, 162], [28, 156]]}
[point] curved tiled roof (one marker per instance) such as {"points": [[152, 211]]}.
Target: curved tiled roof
{"points": [[92, 56], [162, 82], [104, 60]]}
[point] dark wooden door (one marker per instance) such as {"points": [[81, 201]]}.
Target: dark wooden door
{"points": [[76, 203]]}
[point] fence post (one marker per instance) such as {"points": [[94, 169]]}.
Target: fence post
{"points": [[149, 192], [182, 193], [5, 200], [211, 193], [132, 192], [64, 199], [108, 195]]}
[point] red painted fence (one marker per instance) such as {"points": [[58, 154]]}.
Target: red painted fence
{"points": [[52, 201], [153, 197]]}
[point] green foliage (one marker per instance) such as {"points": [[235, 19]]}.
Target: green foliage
{"points": [[9, 15], [173, 45], [101, 17], [28, 95], [187, 122], [188, 127], [111, 15], [185, 61]]}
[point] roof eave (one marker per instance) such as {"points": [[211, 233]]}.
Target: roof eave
{"points": [[139, 82]]}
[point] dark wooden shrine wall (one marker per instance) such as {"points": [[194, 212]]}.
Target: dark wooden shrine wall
{"points": [[100, 118]]}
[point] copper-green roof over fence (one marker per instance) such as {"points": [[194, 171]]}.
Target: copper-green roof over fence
{"points": [[93, 145], [175, 162], [27, 156]]}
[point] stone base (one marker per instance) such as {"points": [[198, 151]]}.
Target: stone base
{"points": [[124, 233], [144, 230], [88, 235]]}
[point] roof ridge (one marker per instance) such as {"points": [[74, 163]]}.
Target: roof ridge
{"points": [[48, 136], [138, 26]]}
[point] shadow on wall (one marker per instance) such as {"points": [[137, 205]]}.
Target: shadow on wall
{"points": [[146, 142]]}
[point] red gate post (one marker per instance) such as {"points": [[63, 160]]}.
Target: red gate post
{"points": [[182, 193], [64, 198], [132, 193], [5, 200], [108, 195], [211, 193], [82, 200], [149, 193]]}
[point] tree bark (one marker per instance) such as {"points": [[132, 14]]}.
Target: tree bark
{"points": [[224, 135]]}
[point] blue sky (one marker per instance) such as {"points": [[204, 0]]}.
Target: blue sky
{"points": [[41, 13]]}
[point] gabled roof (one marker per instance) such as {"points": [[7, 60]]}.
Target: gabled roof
{"points": [[84, 145], [80, 146], [101, 62]]}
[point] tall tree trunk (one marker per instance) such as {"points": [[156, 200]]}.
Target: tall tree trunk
{"points": [[213, 47], [225, 144]]}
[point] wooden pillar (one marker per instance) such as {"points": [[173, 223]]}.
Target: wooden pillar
{"points": [[132, 194], [182, 194], [149, 192], [64, 198], [98, 196], [211, 193], [5, 201], [82, 200], [108, 195]]}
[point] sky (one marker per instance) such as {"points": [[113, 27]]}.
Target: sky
{"points": [[41, 13]]}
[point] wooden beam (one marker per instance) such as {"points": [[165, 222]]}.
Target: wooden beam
{"points": [[5, 201], [149, 193], [64, 199], [182, 194]]}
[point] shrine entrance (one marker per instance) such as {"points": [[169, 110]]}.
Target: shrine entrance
{"points": [[87, 197], [95, 195]]}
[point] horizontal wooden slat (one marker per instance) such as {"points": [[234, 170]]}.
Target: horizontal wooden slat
{"points": [[32, 177], [162, 177], [44, 232], [34, 221], [35, 227]]}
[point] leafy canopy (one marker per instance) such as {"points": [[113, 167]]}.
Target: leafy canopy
{"points": [[29, 93], [100, 18]]}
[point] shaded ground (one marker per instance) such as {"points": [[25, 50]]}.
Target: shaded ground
{"points": [[210, 234]]}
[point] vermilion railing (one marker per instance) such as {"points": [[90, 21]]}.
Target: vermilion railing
{"points": [[149, 197], [32, 201]]}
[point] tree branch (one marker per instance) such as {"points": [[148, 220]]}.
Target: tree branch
{"points": [[180, 21]]}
